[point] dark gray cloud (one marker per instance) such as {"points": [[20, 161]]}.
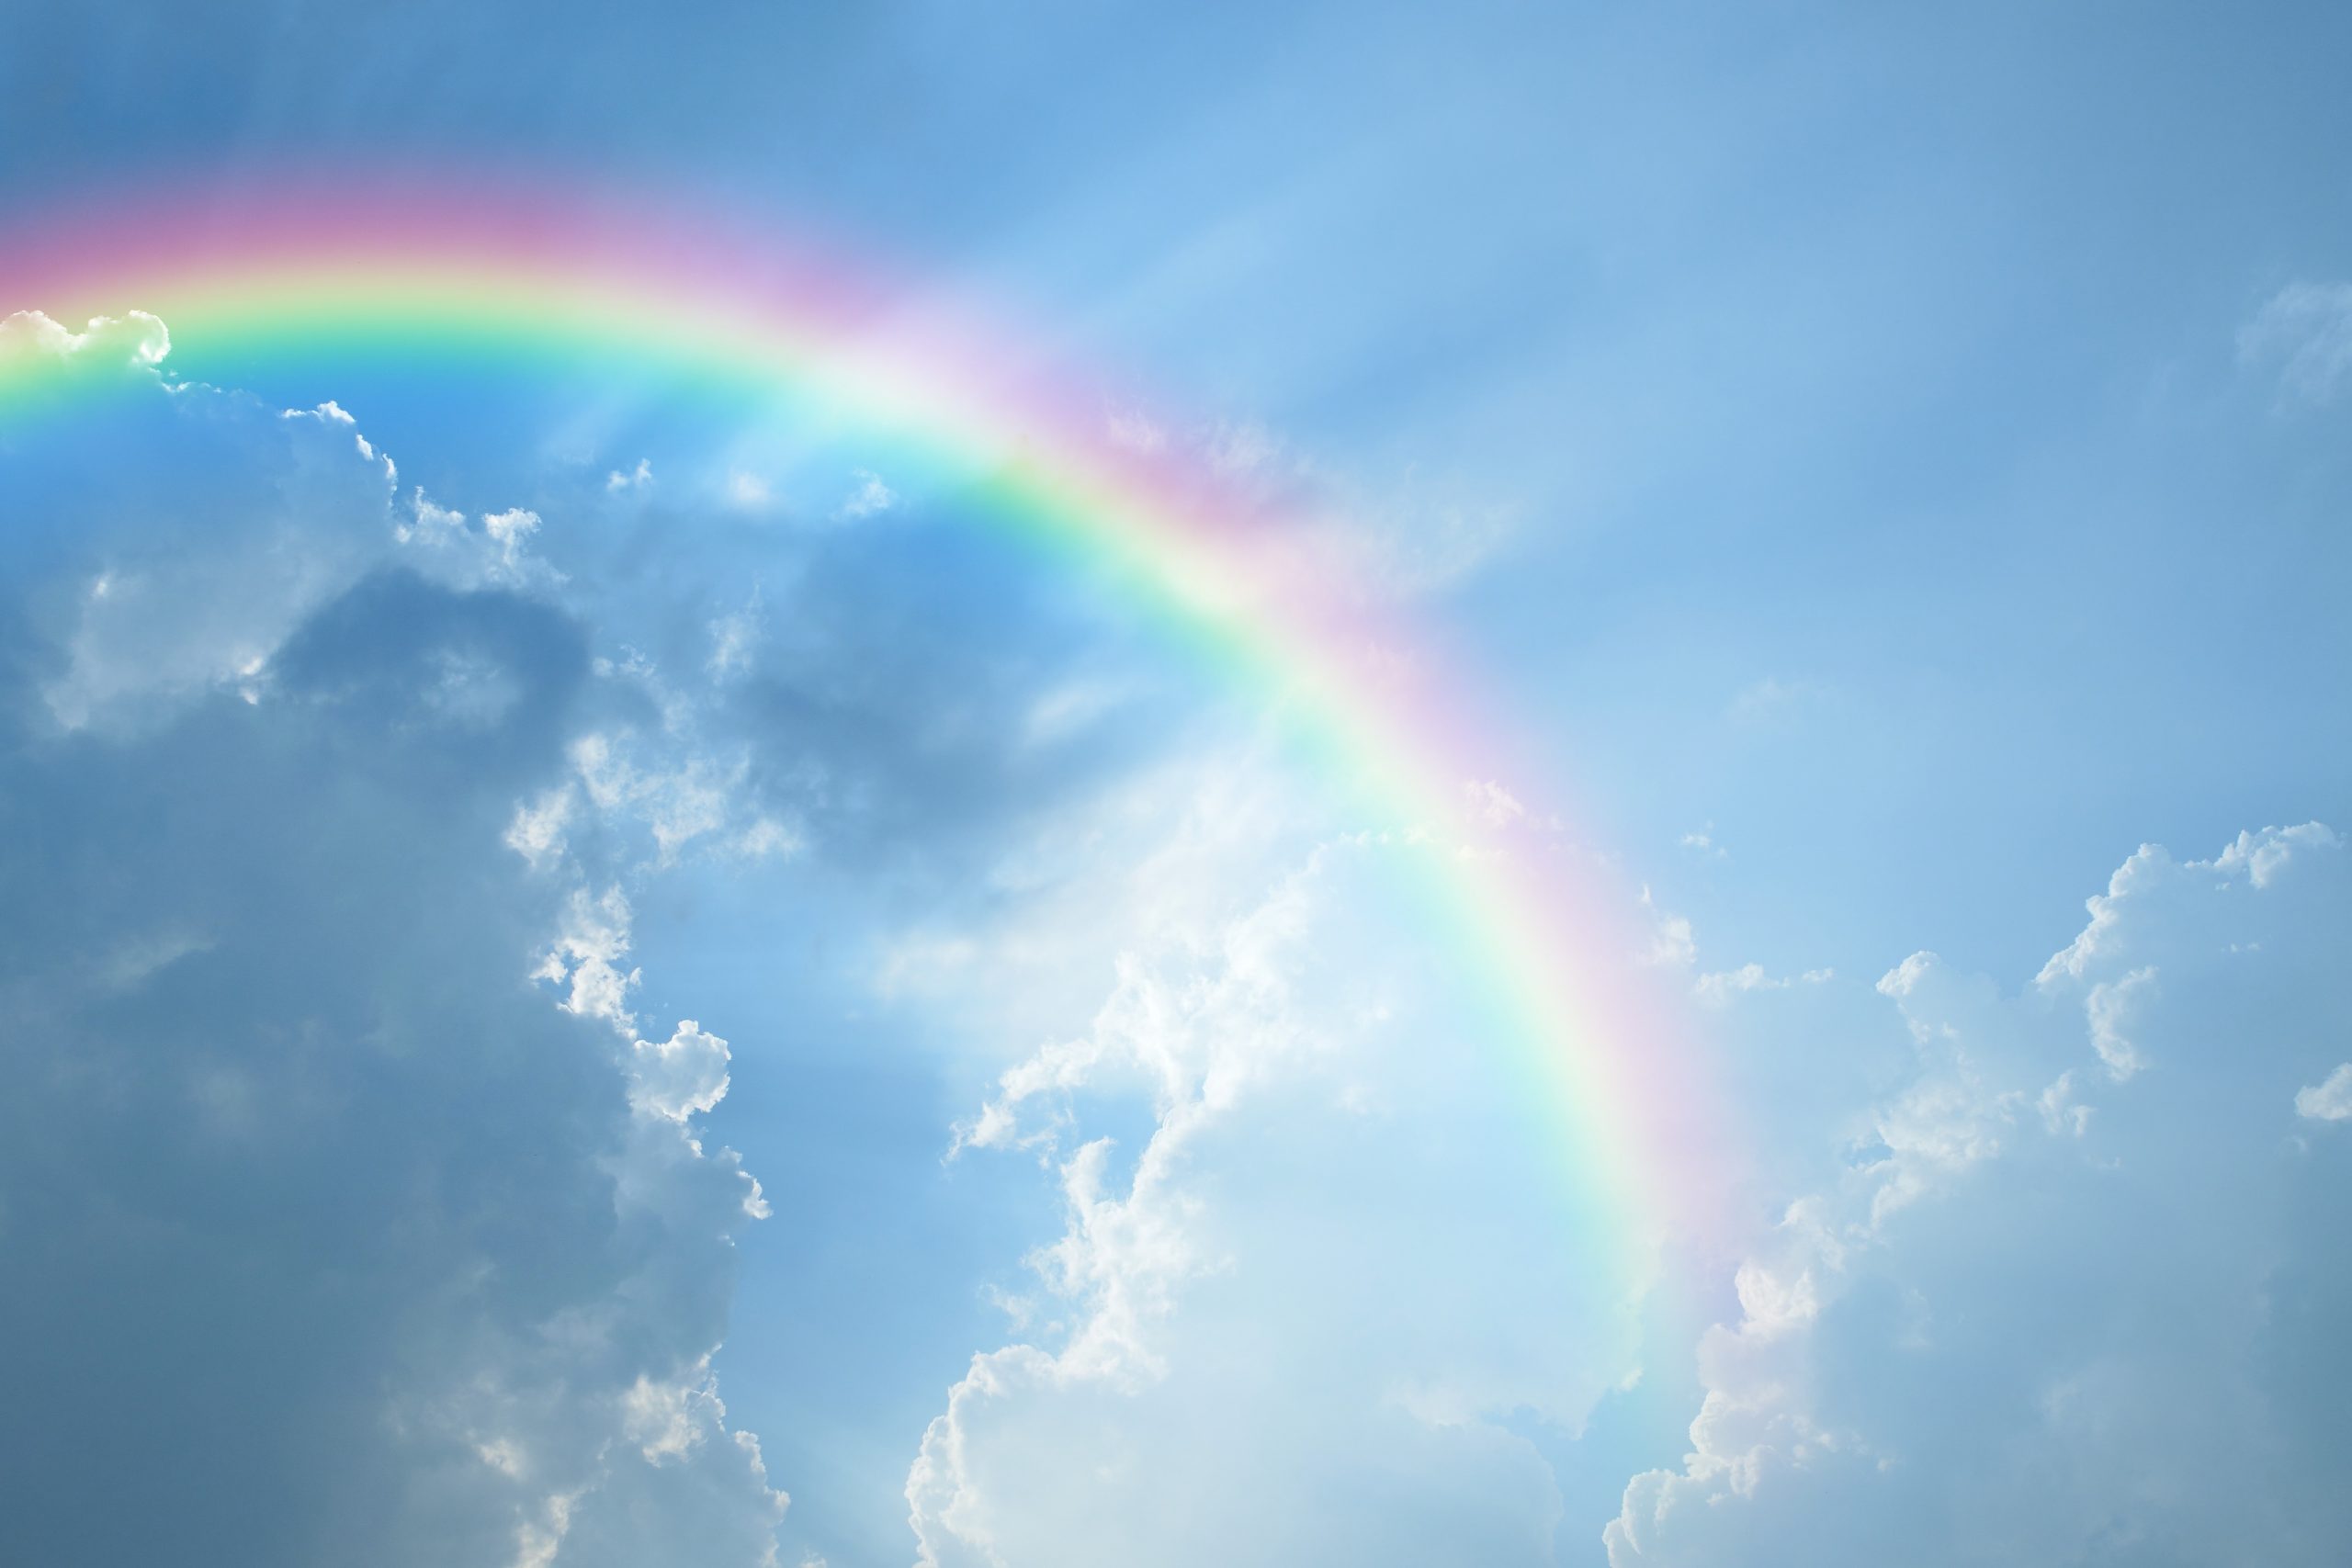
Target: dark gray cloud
{"points": [[330, 1237]]}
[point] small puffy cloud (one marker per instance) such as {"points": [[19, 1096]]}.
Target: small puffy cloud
{"points": [[1703, 843], [1672, 945], [749, 492], [2261, 856], [2305, 332], [735, 638], [537, 830], [870, 497], [637, 478], [680, 1077], [2328, 1100], [509, 531], [765, 838], [134, 340], [1493, 804], [493, 549], [1717, 989], [332, 414], [678, 795], [586, 955]]}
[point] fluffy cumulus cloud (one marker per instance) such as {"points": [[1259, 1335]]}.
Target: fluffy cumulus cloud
{"points": [[337, 1237], [2076, 1295], [1282, 1317], [1969, 1336], [33, 344], [2330, 1101]]}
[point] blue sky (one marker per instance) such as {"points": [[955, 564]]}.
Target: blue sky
{"points": [[1889, 468]]}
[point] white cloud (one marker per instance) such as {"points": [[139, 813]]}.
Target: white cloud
{"points": [[509, 531], [637, 478], [1492, 803], [679, 795], [765, 838], [586, 955], [680, 1077], [749, 491], [1286, 1073], [1672, 946], [869, 498], [2306, 331], [1717, 989], [233, 556], [2262, 855], [2060, 1111], [1124, 1253], [537, 830], [332, 414], [134, 340], [735, 637], [2328, 1100], [454, 549], [2109, 1005], [1989, 1302]]}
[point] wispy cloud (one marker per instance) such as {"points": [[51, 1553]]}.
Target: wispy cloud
{"points": [[2304, 330], [869, 498]]}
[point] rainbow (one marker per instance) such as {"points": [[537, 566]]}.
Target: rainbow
{"points": [[449, 275]]}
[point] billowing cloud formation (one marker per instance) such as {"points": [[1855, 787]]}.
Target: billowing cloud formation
{"points": [[1279, 1275], [336, 1237], [2071, 1301], [1980, 1342]]}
